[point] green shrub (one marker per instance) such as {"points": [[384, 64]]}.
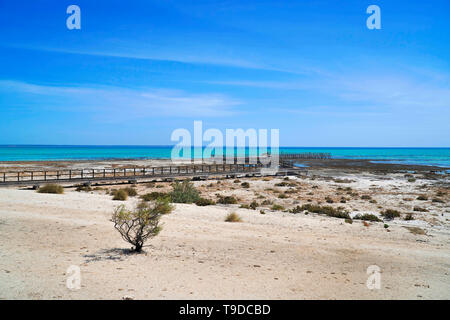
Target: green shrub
{"points": [[155, 196], [348, 220], [120, 195], [51, 188], [366, 197], [386, 226], [202, 202], [282, 196], [184, 192], [422, 198], [227, 200], [367, 217], [419, 209], [409, 217], [277, 207], [281, 184], [390, 214], [138, 225], [83, 188], [237, 181], [411, 180], [244, 206], [254, 205], [245, 185], [130, 191], [233, 217]]}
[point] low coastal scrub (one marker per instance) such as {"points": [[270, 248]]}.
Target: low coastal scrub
{"points": [[277, 207], [245, 185], [326, 210], [202, 202], [226, 200], [184, 192], [390, 214], [140, 224], [120, 195], [152, 196], [83, 188], [367, 217], [51, 188], [233, 217]]}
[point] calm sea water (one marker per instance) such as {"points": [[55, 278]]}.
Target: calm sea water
{"points": [[424, 156]]}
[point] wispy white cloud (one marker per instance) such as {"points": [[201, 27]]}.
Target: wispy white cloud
{"points": [[118, 103]]}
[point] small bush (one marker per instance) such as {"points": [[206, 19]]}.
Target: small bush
{"points": [[244, 206], [281, 184], [130, 191], [366, 197], [254, 205], [120, 195], [83, 188], [349, 220], [390, 214], [245, 185], [386, 226], [420, 209], [51, 188], [202, 202], [437, 200], [184, 192], [233, 217], [237, 181], [282, 196], [329, 200], [266, 202], [422, 198], [367, 217], [411, 180], [262, 212], [409, 217], [343, 200], [227, 200], [138, 225], [277, 207], [152, 196]]}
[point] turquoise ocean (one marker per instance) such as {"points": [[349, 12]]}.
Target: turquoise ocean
{"points": [[422, 156]]}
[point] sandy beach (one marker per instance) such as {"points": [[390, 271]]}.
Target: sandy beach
{"points": [[271, 254]]}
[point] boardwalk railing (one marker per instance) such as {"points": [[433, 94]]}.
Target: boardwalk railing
{"points": [[308, 155], [73, 175]]}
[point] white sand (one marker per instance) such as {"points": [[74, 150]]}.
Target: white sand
{"points": [[199, 256]]}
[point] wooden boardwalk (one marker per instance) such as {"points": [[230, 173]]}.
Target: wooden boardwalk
{"points": [[78, 176]]}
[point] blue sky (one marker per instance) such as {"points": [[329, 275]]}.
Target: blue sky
{"points": [[137, 70]]}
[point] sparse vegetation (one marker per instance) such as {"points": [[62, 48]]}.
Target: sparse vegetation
{"points": [[155, 196], [138, 225], [245, 185], [184, 192], [202, 202], [277, 207], [233, 217], [409, 217], [367, 217], [390, 214], [227, 200], [120, 195], [51, 188], [422, 198], [83, 188], [420, 209]]}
